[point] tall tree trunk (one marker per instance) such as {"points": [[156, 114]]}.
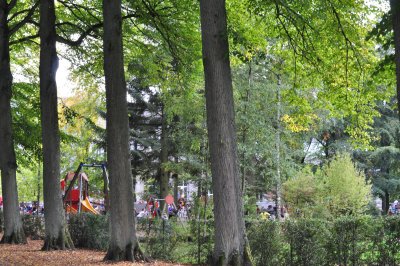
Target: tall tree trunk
{"points": [[175, 176], [386, 203], [231, 246], [246, 100], [57, 236], [105, 190], [164, 177], [13, 232], [395, 10], [123, 242], [278, 149]]}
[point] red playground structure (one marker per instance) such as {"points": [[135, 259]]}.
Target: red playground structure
{"points": [[76, 198]]}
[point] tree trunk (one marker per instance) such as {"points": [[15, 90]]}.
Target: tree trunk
{"points": [[164, 177], [395, 10], [13, 232], [175, 176], [105, 190], [386, 203], [278, 149], [244, 133], [231, 246], [123, 242], [57, 236]]}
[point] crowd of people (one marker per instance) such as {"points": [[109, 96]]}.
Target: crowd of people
{"points": [[152, 209], [31, 208], [271, 212], [394, 208]]}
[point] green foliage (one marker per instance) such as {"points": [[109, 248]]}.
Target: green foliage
{"points": [[387, 241], [300, 193], [162, 238], [335, 190], [29, 183], [266, 242], [89, 231], [307, 239], [347, 240], [344, 189], [33, 226], [349, 237], [202, 229]]}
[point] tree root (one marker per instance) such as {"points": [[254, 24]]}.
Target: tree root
{"points": [[130, 253], [61, 242], [234, 259], [16, 237]]}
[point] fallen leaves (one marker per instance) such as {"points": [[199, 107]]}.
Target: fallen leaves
{"points": [[31, 254]]}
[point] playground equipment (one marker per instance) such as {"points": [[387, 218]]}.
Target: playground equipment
{"points": [[75, 199]]}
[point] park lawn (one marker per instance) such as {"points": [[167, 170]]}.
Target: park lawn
{"points": [[31, 254]]}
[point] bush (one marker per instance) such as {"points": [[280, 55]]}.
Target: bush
{"points": [[89, 231], [266, 243], [307, 239], [386, 241], [161, 239], [350, 240], [362, 240], [338, 189], [33, 226]]}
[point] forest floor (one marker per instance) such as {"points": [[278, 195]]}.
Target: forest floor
{"points": [[31, 254]]}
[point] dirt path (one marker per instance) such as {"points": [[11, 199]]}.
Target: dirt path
{"points": [[31, 254]]}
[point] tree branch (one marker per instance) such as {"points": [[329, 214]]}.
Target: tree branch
{"points": [[349, 43], [25, 20], [25, 39], [17, 14], [11, 5], [86, 33]]}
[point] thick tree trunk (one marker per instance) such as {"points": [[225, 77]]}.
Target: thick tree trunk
{"points": [[57, 236], [13, 232], [164, 176], [395, 10], [123, 242], [231, 246]]}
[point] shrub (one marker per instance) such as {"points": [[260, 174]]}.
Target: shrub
{"points": [[386, 241], [89, 231], [307, 239], [339, 189], [161, 239], [33, 226], [266, 243], [349, 240]]}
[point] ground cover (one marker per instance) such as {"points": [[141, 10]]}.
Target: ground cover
{"points": [[31, 254]]}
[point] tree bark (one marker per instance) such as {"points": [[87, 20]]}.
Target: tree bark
{"points": [[230, 246], [395, 10], [175, 176], [13, 232], [164, 177], [386, 203], [123, 242], [278, 149], [57, 236]]}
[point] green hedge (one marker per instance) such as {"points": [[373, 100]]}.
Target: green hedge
{"points": [[33, 226], [362, 240], [89, 230]]}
